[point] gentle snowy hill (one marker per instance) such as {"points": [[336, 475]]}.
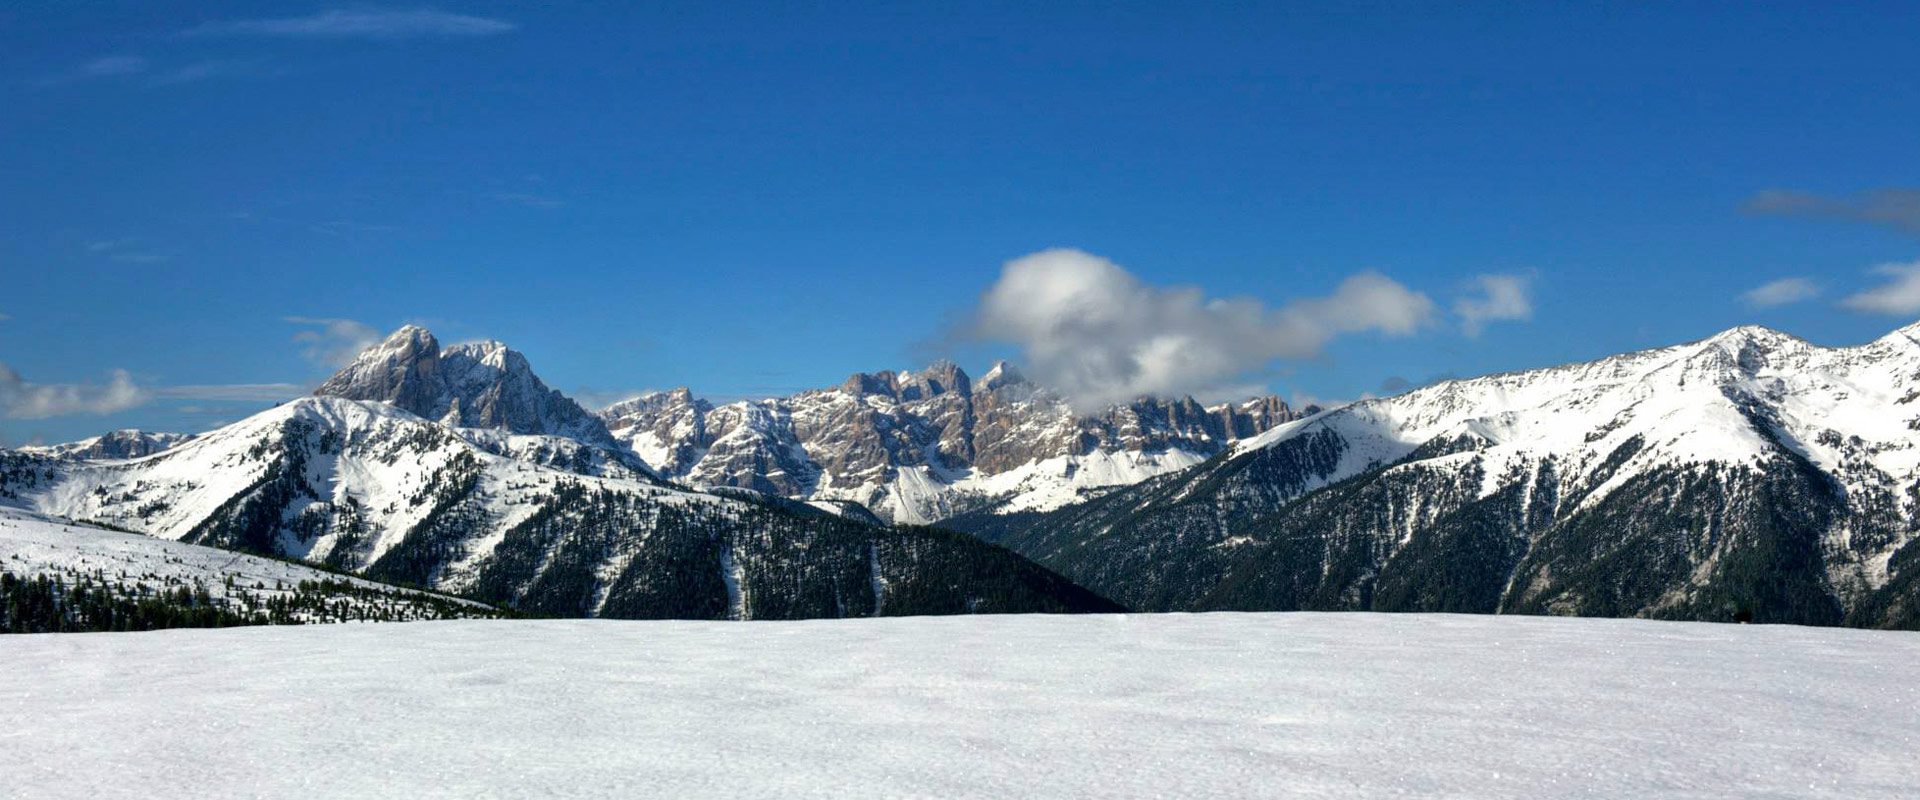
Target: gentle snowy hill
{"points": [[1751, 473], [919, 447], [131, 566], [370, 488], [1210, 705]]}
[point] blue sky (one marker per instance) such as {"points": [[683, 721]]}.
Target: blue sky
{"points": [[751, 199]]}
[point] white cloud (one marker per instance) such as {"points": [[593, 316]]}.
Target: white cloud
{"points": [[1502, 297], [1785, 291], [334, 342], [361, 24], [1092, 330], [22, 400], [110, 66], [1899, 295]]}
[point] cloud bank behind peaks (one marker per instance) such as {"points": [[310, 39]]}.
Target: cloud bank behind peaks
{"points": [[1094, 331], [22, 400]]}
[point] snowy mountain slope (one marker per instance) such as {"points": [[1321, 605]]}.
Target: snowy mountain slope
{"points": [[1749, 473], [137, 566], [371, 488], [114, 444], [1146, 706], [919, 447]]}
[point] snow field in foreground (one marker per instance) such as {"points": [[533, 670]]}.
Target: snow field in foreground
{"points": [[1301, 705]]}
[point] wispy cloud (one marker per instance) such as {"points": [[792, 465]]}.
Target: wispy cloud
{"points": [[347, 227], [334, 342], [204, 70], [139, 70], [109, 66], [1897, 207], [386, 24], [1785, 291], [103, 68], [526, 199], [1500, 297], [233, 392], [125, 251], [1900, 294], [22, 400], [1096, 332]]}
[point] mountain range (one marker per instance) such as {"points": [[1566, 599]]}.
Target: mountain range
{"points": [[919, 447], [460, 471], [1748, 476]]}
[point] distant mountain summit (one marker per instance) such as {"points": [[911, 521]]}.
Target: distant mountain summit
{"points": [[126, 443], [472, 385], [489, 393], [923, 446]]}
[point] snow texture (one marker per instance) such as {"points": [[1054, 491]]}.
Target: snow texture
{"points": [[1220, 705]]}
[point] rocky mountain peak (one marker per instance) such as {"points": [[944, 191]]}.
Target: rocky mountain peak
{"points": [[1746, 336], [1745, 351], [655, 402], [942, 377], [492, 353], [1002, 374], [404, 370], [883, 382], [472, 385]]}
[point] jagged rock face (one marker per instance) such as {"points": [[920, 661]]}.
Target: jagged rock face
{"points": [[676, 417], [921, 446], [369, 488], [1750, 475], [475, 385]]}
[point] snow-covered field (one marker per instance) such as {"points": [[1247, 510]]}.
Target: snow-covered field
{"points": [[1246, 705]]}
